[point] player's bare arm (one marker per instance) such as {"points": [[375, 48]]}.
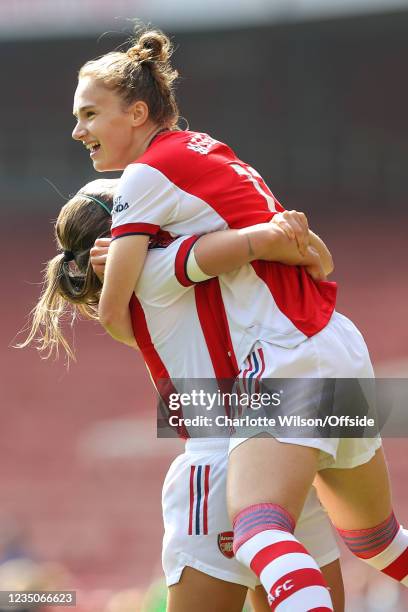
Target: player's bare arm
{"points": [[222, 252], [123, 267]]}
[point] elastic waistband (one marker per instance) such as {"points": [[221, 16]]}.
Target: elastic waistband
{"points": [[194, 445]]}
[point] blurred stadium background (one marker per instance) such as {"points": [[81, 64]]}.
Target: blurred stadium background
{"points": [[314, 94]]}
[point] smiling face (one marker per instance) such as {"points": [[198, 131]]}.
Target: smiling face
{"points": [[107, 128]]}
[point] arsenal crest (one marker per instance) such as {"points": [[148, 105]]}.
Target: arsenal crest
{"points": [[225, 543]]}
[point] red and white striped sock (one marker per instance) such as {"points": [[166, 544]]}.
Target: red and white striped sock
{"points": [[384, 547], [264, 542]]}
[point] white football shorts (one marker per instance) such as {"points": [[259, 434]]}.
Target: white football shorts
{"points": [[198, 532], [338, 351]]}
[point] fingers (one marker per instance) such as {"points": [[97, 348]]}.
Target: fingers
{"points": [[300, 228], [301, 218], [99, 271], [99, 256], [315, 267], [295, 226], [287, 228], [316, 272], [98, 261], [103, 242]]}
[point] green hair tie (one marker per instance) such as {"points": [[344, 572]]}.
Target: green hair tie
{"points": [[104, 206]]}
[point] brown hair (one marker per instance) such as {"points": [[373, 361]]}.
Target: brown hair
{"points": [[143, 72], [70, 285]]}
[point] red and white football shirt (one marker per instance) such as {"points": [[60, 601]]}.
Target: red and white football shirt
{"points": [[179, 335], [188, 183]]}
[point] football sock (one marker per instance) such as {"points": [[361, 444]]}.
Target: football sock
{"points": [[264, 542], [384, 547]]}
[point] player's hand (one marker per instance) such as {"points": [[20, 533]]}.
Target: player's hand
{"points": [[314, 265], [99, 255], [295, 226]]}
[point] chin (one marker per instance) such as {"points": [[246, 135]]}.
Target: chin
{"points": [[100, 166]]}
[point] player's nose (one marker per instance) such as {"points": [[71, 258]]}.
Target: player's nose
{"points": [[79, 132]]}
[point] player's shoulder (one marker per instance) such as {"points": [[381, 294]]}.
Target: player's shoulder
{"points": [[175, 147], [178, 158], [140, 178]]}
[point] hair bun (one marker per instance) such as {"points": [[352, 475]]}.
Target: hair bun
{"points": [[142, 72], [152, 46], [138, 54]]}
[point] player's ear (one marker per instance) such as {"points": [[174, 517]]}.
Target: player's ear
{"points": [[139, 112]]}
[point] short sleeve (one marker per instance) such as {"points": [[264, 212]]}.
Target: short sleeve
{"points": [[162, 280], [186, 268], [145, 201]]}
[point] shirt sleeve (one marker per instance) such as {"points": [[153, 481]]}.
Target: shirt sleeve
{"points": [[186, 268], [162, 281], [145, 201]]}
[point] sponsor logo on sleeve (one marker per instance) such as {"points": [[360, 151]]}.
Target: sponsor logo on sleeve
{"points": [[118, 205]]}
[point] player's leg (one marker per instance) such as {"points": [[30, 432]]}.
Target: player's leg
{"points": [[200, 592], [357, 497], [266, 470], [268, 482], [315, 531], [201, 571], [269, 479], [359, 504], [334, 579]]}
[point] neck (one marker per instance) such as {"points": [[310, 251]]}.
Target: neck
{"points": [[148, 136]]}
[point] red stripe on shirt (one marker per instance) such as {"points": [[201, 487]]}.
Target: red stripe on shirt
{"points": [[190, 520], [144, 341], [135, 228], [180, 265], [214, 324], [206, 491], [152, 359]]}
